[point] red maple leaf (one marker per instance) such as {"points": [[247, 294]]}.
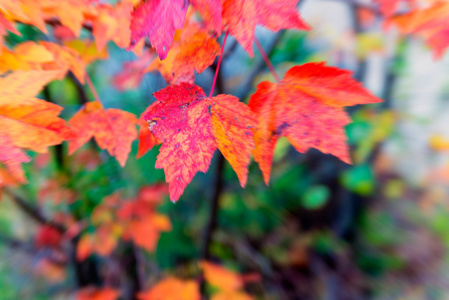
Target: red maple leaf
{"points": [[190, 133], [158, 19], [307, 108], [211, 11], [242, 16]]}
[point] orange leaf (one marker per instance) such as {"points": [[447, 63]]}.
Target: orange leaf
{"points": [[306, 107], [242, 17], [172, 289], [146, 231], [113, 129], [45, 55], [32, 52], [221, 278], [12, 157], [112, 23], [69, 12], [65, 59], [194, 49], [102, 242], [196, 52], [85, 247], [429, 23], [27, 122], [181, 120], [232, 124]]}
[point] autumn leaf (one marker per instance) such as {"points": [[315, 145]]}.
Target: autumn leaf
{"points": [[142, 223], [430, 23], [194, 51], [6, 179], [42, 56], [112, 23], [242, 16], [102, 242], [25, 121], [113, 129], [65, 59], [220, 277], [158, 19], [228, 283], [12, 157], [146, 230], [172, 289], [211, 10], [69, 12], [189, 133], [307, 108], [134, 219]]}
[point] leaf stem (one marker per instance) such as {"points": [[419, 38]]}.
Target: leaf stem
{"points": [[266, 59], [92, 89], [218, 65]]}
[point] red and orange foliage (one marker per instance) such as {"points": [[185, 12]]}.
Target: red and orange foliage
{"points": [[189, 125], [306, 107], [227, 285], [180, 118], [127, 219]]}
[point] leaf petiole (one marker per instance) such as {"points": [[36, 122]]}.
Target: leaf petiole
{"points": [[266, 59], [218, 65]]}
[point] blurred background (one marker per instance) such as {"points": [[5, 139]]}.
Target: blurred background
{"points": [[322, 229]]}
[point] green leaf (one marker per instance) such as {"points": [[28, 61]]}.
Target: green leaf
{"points": [[315, 197]]}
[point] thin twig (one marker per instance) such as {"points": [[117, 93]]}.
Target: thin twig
{"points": [[218, 65], [32, 211], [30, 249], [82, 96], [58, 149], [266, 60], [213, 213], [92, 88], [247, 85]]}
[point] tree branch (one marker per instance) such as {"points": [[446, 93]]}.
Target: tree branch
{"points": [[82, 96], [32, 211], [214, 206]]}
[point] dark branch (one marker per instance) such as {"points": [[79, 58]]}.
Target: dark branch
{"points": [[32, 211]]}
